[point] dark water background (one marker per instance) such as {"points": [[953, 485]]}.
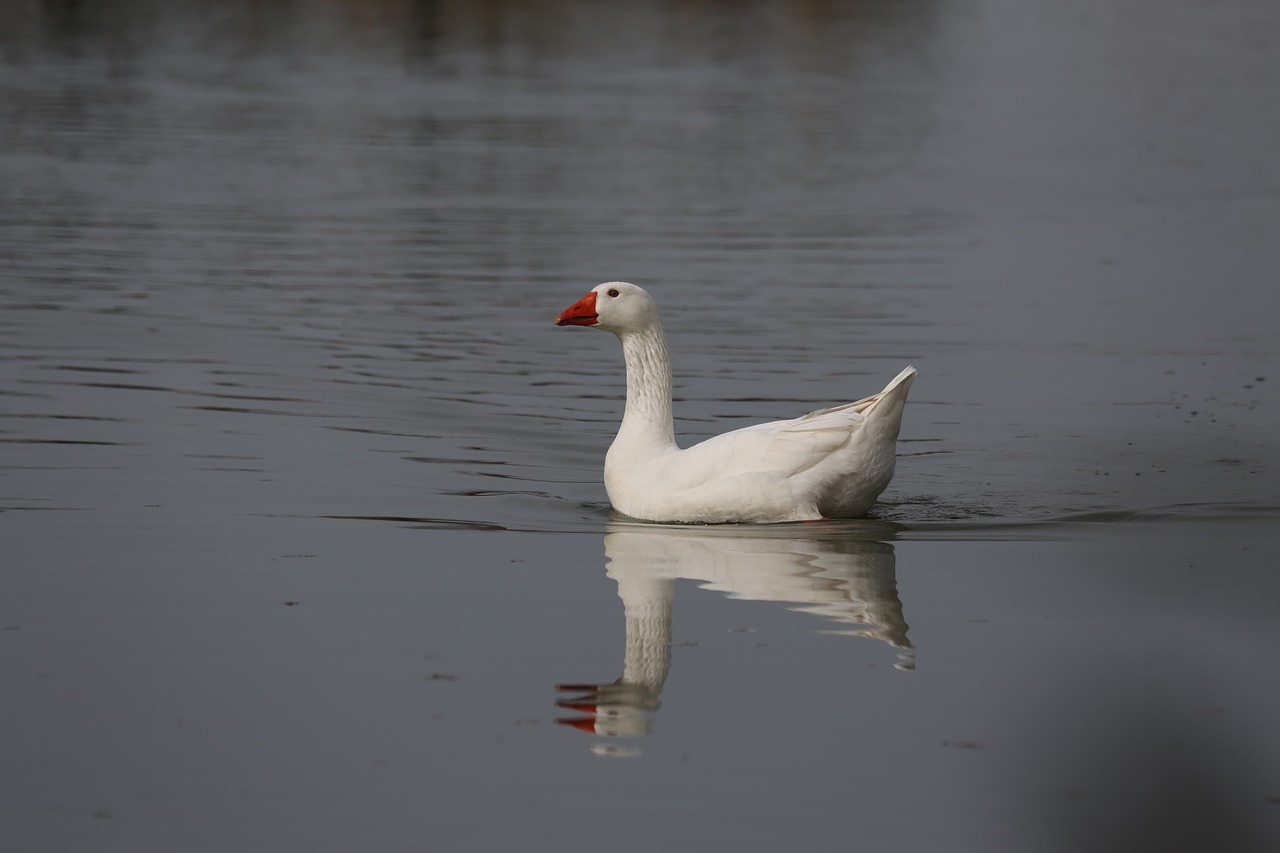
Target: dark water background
{"points": [[302, 522]]}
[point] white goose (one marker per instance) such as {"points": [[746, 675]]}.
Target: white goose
{"points": [[831, 463]]}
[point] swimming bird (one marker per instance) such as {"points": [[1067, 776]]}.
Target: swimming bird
{"points": [[832, 463]]}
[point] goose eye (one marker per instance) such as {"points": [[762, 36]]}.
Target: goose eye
{"points": [[613, 292]]}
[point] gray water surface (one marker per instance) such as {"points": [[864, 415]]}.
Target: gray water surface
{"points": [[304, 540]]}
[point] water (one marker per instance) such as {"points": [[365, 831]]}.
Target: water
{"points": [[303, 524]]}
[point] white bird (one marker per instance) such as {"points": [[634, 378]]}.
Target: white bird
{"points": [[832, 463]]}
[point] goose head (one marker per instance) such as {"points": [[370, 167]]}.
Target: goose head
{"points": [[616, 306]]}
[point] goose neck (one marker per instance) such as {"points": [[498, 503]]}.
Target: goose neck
{"points": [[648, 409]]}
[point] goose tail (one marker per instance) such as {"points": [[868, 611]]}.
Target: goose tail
{"points": [[887, 406]]}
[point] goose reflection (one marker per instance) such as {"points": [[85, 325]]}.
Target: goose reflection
{"points": [[843, 574]]}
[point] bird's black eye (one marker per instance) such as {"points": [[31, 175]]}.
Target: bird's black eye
{"points": [[613, 292]]}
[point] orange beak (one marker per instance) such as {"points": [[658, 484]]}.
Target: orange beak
{"points": [[585, 724], [580, 313]]}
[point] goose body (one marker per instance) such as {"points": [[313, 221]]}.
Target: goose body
{"points": [[832, 463]]}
